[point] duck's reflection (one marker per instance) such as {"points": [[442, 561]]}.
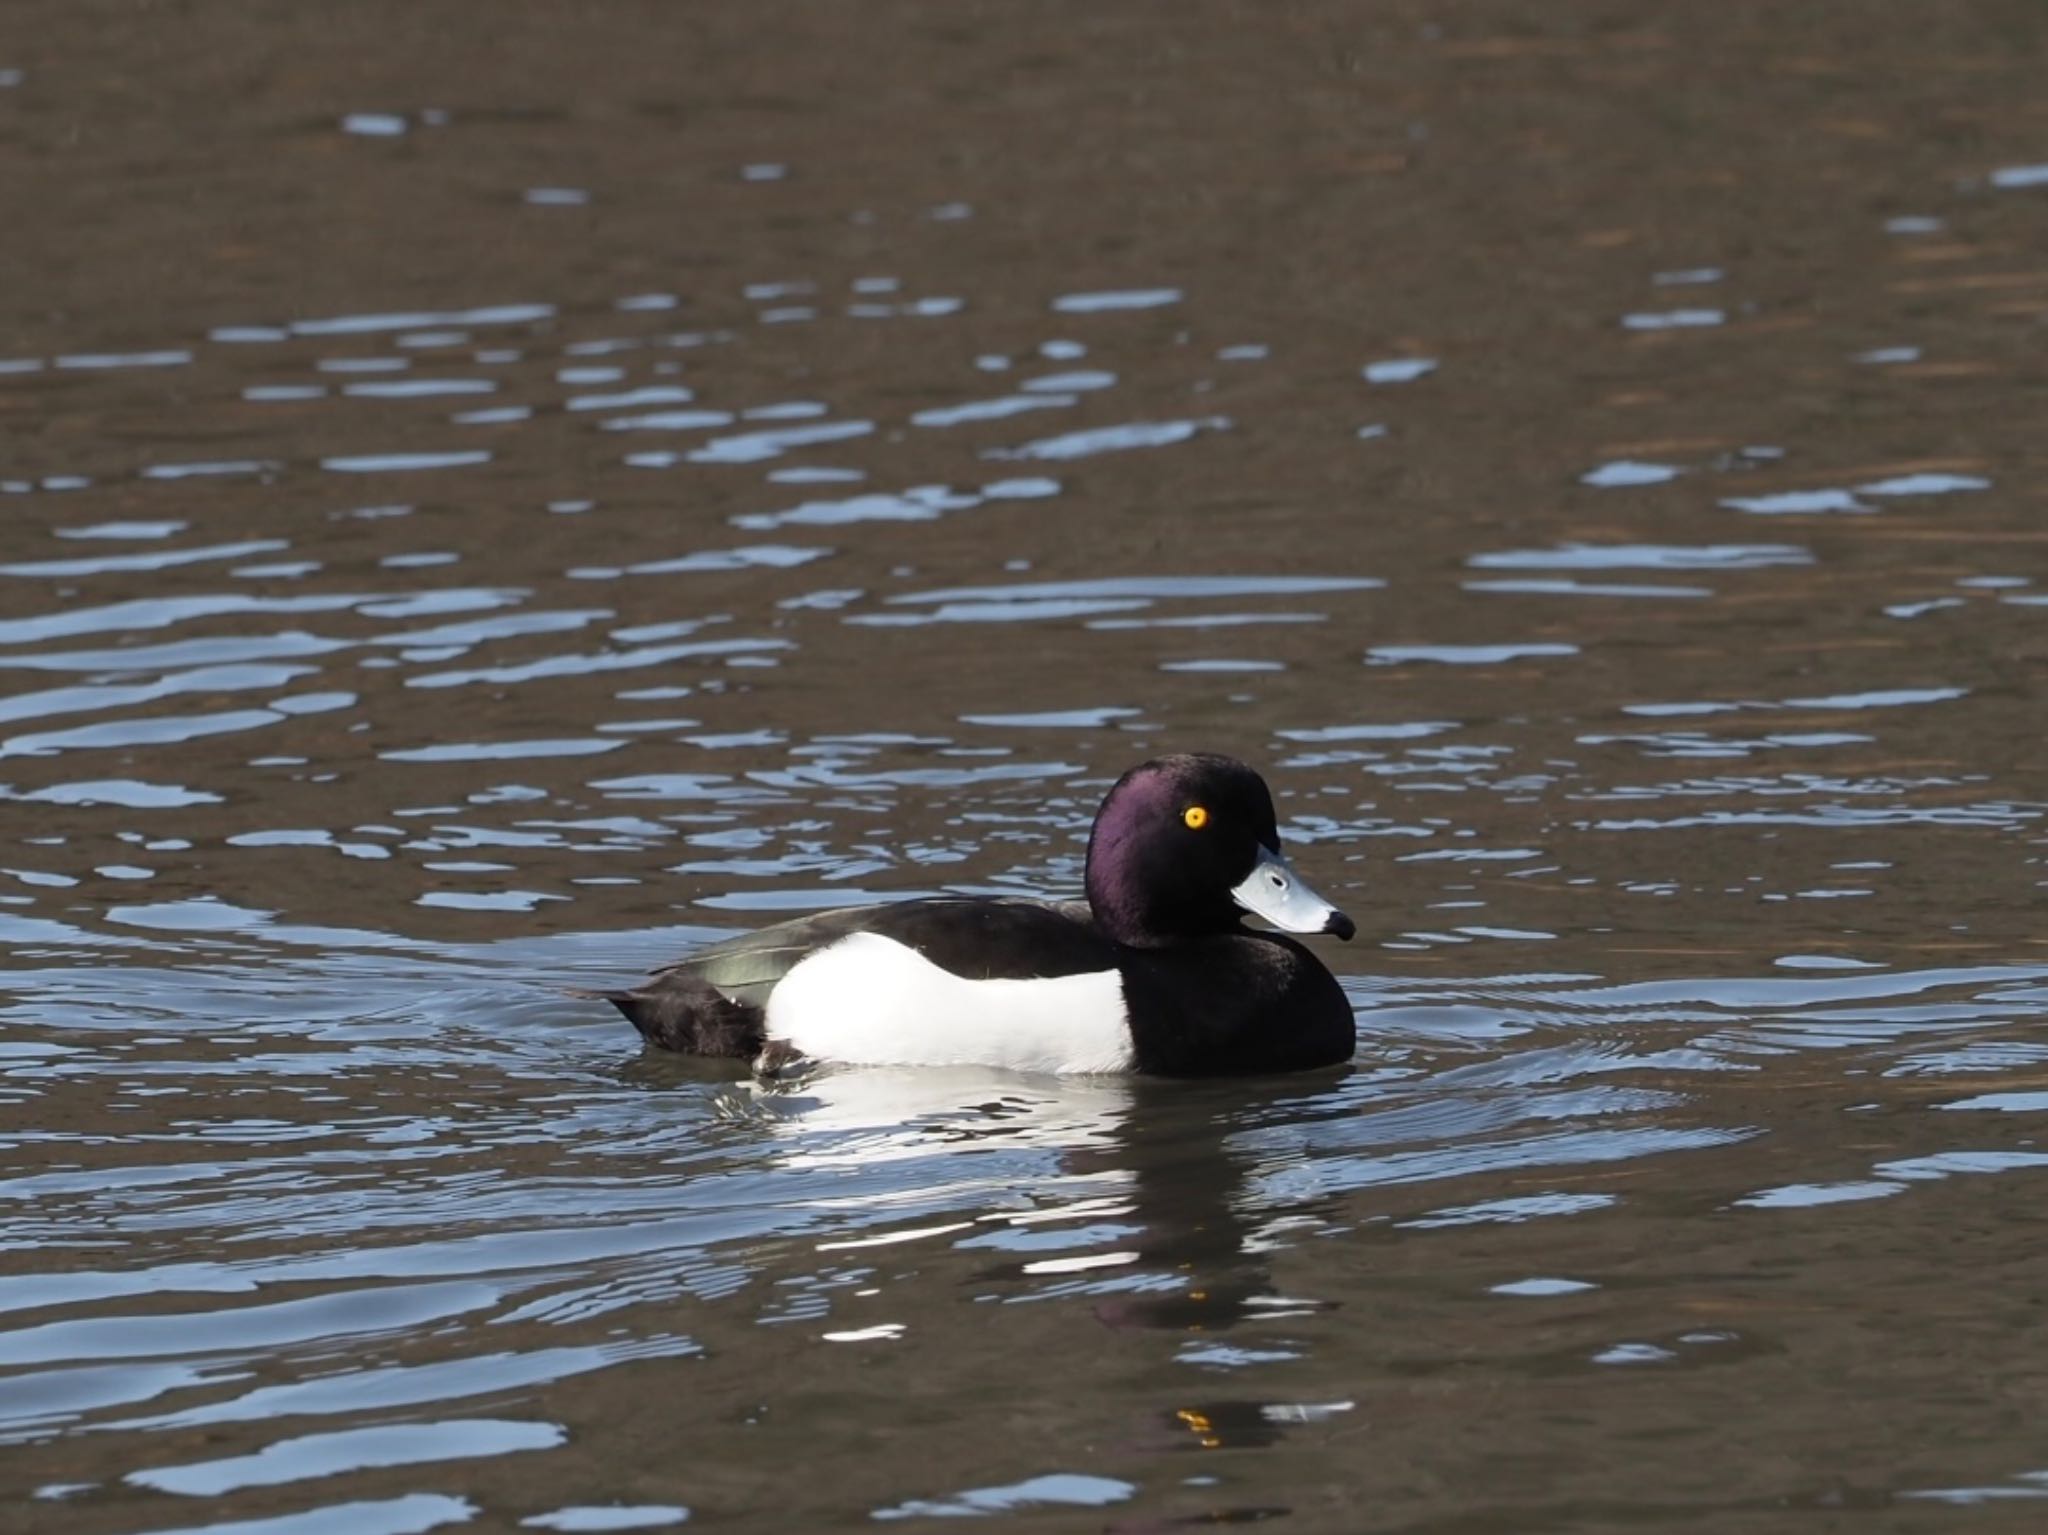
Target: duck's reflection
{"points": [[1160, 1172], [1144, 1205]]}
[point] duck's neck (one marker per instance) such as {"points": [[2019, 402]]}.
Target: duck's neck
{"points": [[1142, 915]]}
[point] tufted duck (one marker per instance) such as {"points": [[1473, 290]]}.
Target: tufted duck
{"points": [[1153, 973]]}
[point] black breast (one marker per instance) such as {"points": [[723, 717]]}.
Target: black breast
{"points": [[1239, 1005]]}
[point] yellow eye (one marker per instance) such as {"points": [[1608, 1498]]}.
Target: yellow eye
{"points": [[1196, 817]]}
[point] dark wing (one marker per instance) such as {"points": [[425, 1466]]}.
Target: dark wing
{"points": [[976, 937], [999, 940], [747, 967]]}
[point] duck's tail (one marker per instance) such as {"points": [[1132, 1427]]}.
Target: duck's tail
{"points": [[679, 1011]]}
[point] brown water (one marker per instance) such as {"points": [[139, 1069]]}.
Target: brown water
{"points": [[497, 494]]}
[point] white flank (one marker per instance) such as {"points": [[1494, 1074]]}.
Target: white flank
{"points": [[871, 1001]]}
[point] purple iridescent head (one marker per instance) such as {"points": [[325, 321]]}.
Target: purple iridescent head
{"points": [[1184, 846]]}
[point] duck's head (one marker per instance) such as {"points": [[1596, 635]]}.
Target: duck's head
{"points": [[1185, 846]]}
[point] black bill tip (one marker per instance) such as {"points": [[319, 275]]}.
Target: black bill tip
{"points": [[1340, 926]]}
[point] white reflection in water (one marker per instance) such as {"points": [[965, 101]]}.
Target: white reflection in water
{"points": [[493, 751], [123, 530], [2014, 176], [1209, 621], [155, 559], [1805, 1196], [369, 324], [1629, 472], [1147, 587], [129, 793], [1076, 719], [1113, 439], [214, 468], [1925, 484], [90, 696], [1797, 503], [420, 388], [154, 731], [591, 664], [1578, 556], [385, 1387], [998, 612], [747, 557], [753, 447], [1569, 588], [1411, 730], [593, 1518], [671, 421], [991, 410], [98, 361], [316, 1455], [1543, 1287], [1466, 655], [1115, 299], [1079, 381], [1673, 319], [1399, 370], [413, 1514], [393, 463], [1061, 1489], [646, 394]]}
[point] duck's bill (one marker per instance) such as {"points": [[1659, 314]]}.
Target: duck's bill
{"points": [[1274, 891]]}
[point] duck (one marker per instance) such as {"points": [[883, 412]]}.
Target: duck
{"points": [[1153, 973]]}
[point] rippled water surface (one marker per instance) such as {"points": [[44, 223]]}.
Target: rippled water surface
{"points": [[495, 496]]}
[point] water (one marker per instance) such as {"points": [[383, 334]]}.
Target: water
{"points": [[488, 512]]}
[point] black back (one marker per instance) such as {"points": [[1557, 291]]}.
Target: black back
{"points": [[980, 938]]}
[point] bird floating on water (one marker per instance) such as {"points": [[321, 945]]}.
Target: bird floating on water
{"points": [[1155, 972]]}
